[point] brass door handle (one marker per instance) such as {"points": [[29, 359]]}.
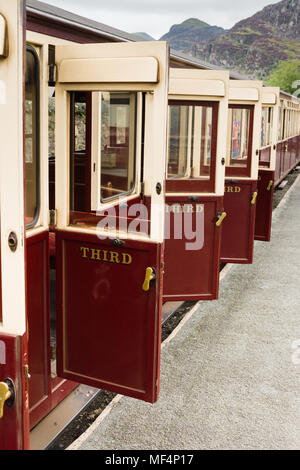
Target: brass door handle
{"points": [[221, 217], [149, 276], [270, 185], [7, 395], [254, 196]]}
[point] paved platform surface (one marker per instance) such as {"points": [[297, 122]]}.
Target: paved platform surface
{"points": [[228, 377]]}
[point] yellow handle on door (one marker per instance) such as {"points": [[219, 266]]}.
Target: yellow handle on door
{"points": [[220, 219], [254, 196], [149, 276], [270, 185], [5, 394]]}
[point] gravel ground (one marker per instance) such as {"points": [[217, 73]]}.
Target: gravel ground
{"points": [[103, 398]]}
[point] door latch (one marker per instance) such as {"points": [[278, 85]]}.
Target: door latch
{"points": [[13, 241], [221, 216], [150, 276], [254, 196], [7, 395], [270, 185]]}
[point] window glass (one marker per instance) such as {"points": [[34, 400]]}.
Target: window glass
{"points": [[113, 142], [179, 143], [31, 138], [190, 141], [239, 120], [206, 141], [266, 126], [118, 121]]}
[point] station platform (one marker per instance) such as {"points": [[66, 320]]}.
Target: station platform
{"points": [[230, 376]]}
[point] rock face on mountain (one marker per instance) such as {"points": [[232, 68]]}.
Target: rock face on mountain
{"points": [[183, 36], [256, 44]]}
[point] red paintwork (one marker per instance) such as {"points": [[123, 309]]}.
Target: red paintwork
{"points": [[108, 328], [194, 275], [238, 227], [265, 157], [287, 157], [264, 206], [14, 430], [44, 393]]}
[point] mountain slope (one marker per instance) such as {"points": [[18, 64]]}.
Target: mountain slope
{"points": [[145, 36], [183, 36], [256, 44]]}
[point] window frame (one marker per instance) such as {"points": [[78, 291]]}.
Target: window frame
{"points": [[245, 171], [33, 223], [191, 183]]}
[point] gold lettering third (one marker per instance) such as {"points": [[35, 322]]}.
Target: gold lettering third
{"points": [[232, 189], [94, 254]]}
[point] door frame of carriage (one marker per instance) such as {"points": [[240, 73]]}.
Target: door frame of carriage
{"points": [[13, 335], [266, 173], [241, 190], [205, 88]]}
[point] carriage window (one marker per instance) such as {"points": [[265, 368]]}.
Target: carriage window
{"points": [[240, 140], [32, 137], [205, 116], [192, 142], [266, 126], [179, 140], [118, 121], [102, 148]]}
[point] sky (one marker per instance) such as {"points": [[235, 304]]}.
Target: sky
{"points": [[157, 16]]}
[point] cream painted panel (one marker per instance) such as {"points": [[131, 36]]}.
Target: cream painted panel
{"points": [[197, 87], [11, 173], [268, 98], [243, 94], [102, 70]]}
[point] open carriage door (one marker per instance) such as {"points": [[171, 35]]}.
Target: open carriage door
{"points": [[267, 163], [109, 245], [198, 109], [241, 171], [14, 422]]}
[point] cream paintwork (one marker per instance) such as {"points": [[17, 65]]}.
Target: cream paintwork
{"points": [[155, 121], [11, 173], [271, 98], [205, 85], [101, 70], [248, 92], [40, 42]]}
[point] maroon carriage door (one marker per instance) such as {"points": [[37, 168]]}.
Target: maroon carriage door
{"points": [[244, 123], [198, 106], [267, 163], [111, 118]]}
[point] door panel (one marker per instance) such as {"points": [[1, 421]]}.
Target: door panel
{"points": [[14, 424], [193, 274], [109, 328], [238, 227], [264, 208]]}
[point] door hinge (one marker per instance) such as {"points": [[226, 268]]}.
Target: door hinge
{"points": [[52, 217], [52, 73]]}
